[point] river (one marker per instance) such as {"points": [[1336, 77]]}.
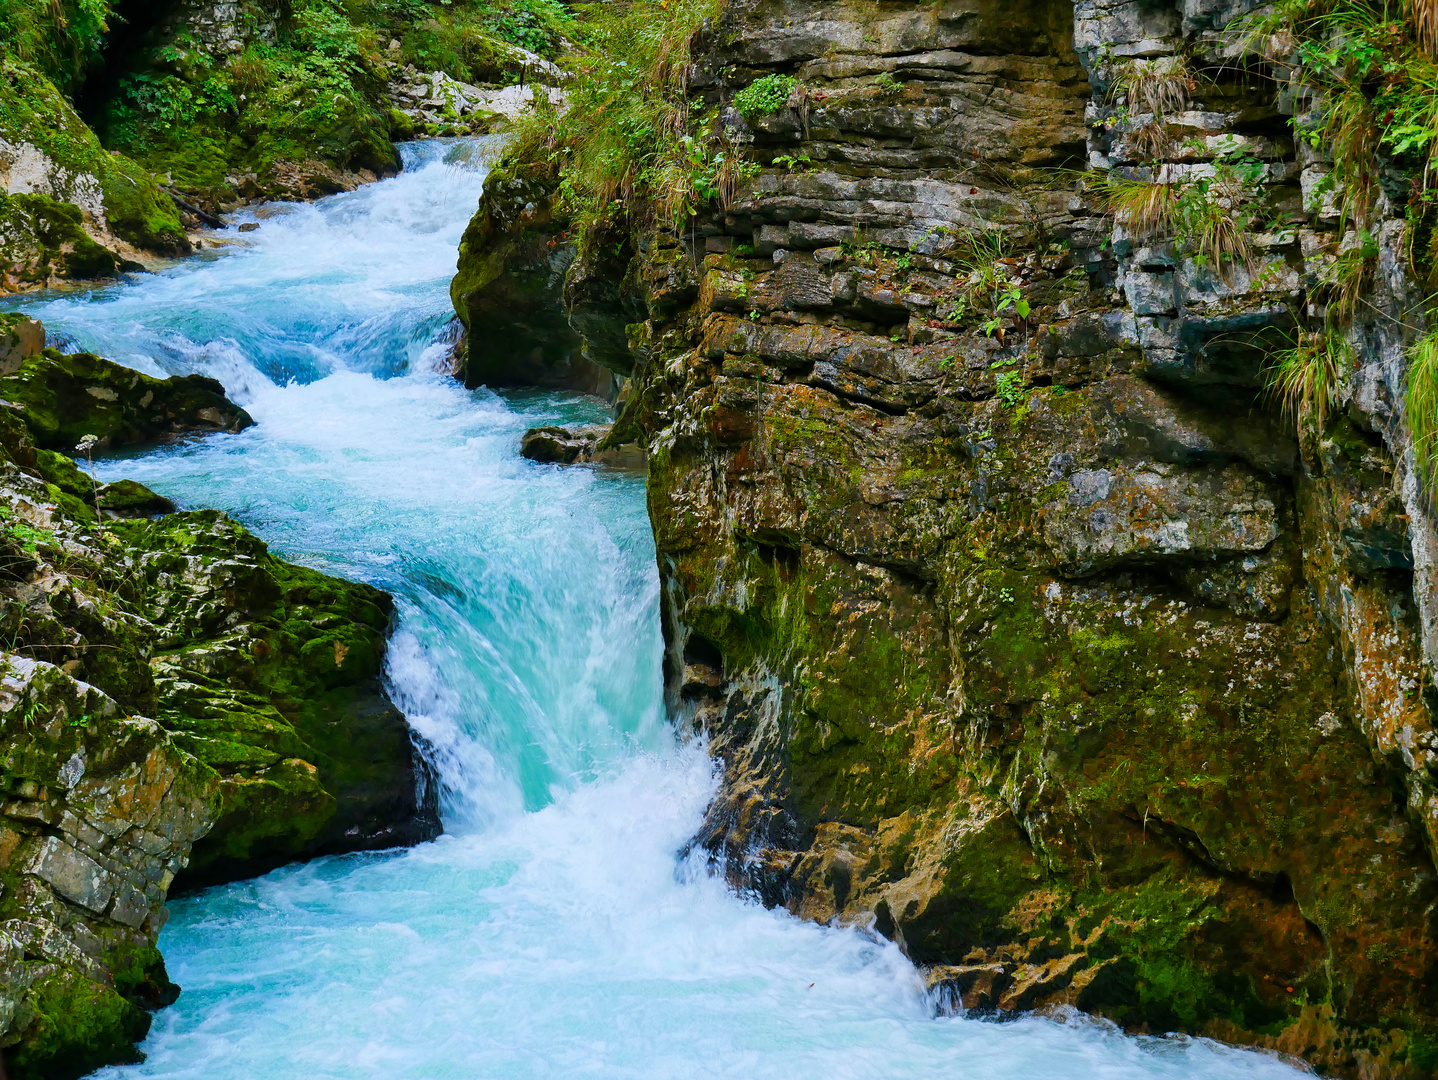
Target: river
{"points": [[553, 931]]}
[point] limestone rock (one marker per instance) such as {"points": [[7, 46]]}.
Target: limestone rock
{"points": [[509, 286], [99, 813]]}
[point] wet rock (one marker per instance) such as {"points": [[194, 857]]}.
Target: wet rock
{"points": [[509, 288], [21, 337], [64, 398], [98, 812], [589, 445], [271, 673]]}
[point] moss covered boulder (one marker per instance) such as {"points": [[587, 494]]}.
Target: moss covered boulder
{"points": [[69, 208], [64, 398], [271, 673]]}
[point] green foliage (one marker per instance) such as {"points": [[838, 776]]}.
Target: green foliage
{"points": [[887, 85], [1009, 388], [1306, 376], [1376, 84], [631, 143], [1211, 216], [1420, 399], [60, 37], [764, 96]]}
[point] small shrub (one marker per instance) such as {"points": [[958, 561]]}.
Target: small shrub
{"points": [[1009, 389], [764, 96]]}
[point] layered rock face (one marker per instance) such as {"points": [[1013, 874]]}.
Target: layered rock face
{"points": [[99, 814], [1031, 633], [272, 737]]}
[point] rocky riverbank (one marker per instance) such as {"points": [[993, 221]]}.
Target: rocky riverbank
{"points": [[1040, 625], [176, 705]]}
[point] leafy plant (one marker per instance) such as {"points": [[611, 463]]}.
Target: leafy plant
{"points": [[887, 85], [764, 95], [1009, 388], [630, 142]]}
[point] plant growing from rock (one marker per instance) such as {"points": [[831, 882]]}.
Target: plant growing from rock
{"points": [[764, 96], [1420, 401], [630, 144], [1306, 377], [1156, 87]]}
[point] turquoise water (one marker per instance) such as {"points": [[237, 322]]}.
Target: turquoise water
{"points": [[554, 930]]}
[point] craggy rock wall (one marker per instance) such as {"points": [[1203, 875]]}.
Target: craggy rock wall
{"points": [[1044, 645]]}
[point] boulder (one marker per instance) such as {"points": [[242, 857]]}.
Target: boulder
{"points": [[64, 398]]}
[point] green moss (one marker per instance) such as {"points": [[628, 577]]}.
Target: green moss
{"points": [[78, 1026], [65, 398], [33, 111]]}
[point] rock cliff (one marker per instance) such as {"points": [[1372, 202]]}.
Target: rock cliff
{"points": [[1041, 622]]}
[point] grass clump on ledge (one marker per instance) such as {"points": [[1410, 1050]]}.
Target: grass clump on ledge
{"points": [[1306, 377], [631, 145]]}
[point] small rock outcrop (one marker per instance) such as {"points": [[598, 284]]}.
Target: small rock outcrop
{"points": [[586, 445]]}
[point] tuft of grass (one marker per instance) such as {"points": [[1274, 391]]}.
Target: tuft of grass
{"points": [[1420, 400], [1306, 377], [1159, 85], [631, 144], [1141, 207], [1424, 14]]}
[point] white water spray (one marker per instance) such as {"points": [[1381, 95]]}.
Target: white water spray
{"points": [[554, 930]]}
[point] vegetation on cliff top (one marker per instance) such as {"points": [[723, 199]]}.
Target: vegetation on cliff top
{"points": [[632, 143], [309, 86]]}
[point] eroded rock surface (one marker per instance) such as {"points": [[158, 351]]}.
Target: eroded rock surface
{"points": [[1038, 640]]}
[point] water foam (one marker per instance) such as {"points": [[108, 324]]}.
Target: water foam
{"points": [[554, 930]]}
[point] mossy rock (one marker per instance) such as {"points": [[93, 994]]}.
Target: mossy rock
{"points": [[64, 398], [34, 112], [271, 673]]}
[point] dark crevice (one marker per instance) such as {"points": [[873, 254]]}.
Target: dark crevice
{"points": [[134, 26]]}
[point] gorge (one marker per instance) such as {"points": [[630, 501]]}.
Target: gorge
{"points": [[923, 518]]}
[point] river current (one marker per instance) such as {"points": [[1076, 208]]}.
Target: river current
{"points": [[554, 930]]}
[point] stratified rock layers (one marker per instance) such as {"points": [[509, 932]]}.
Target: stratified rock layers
{"points": [[1038, 640]]}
